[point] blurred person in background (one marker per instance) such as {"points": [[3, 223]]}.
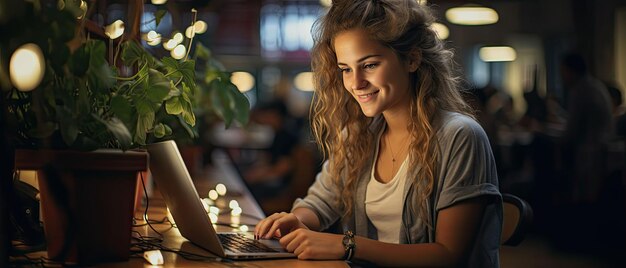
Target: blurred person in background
{"points": [[273, 172], [581, 214]]}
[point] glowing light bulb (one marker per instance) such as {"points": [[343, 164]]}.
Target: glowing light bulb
{"points": [[26, 68], [115, 29], [189, 32], [155, 41], [205, 204], [213, 218], [213, 195], [178, 52], [214, 210], [236, 211], [220, 188], [152, 35], [208, 201], [170, 44], [200, 27], [158, 2], [233, 204], [178, 37], [154, 257]]}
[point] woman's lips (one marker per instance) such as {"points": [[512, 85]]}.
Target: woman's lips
{"points": [[367, 97]]}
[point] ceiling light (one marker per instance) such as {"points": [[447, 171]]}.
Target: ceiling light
{"points": [[497, 53], [304, 81], [243, 80], [472, 15], [441, 30]]}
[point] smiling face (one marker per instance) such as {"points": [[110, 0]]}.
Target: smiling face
{"points": [[373, 73]]}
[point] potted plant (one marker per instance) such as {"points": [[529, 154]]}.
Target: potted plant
{"points": [[83, 104]]}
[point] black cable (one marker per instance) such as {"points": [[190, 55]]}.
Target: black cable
{"points": [[144, 244], [145, 213]]}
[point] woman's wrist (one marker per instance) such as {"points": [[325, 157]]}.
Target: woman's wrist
{"points": [[349, 245]]}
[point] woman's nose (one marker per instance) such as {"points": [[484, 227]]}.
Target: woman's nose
{"points": [[358, 81]]}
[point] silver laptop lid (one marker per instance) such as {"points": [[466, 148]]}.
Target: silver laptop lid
{"points": [[182, 199], [174, 182]]}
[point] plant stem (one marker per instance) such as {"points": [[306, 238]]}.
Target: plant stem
{"points": [[193, 31], [117, 51]]}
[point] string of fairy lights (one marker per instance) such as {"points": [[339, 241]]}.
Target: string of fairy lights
{"points": [[215, 205]]}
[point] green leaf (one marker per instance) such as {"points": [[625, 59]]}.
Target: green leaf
{"points": [[188, 115], [67, 126], [174, 106], [202, 52], [119, 131], [178, 69], [145, 122], [158, 86], [159, 130], [100, 74], [121, 108], [168, 130], [132, 53], [241, 105], [59, 57], [222, 101], [143, 107], [97, 52], [78, 63], [42, 130], [159, 15], [211, 75]]}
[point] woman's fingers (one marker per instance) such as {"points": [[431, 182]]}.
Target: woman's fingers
{"points": [[264, 227], [278, 224]]}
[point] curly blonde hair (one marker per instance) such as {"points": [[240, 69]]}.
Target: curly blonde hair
{"points": [[340, 128]]}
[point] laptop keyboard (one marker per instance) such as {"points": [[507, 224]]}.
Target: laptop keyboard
{"points": [[239, 243]]}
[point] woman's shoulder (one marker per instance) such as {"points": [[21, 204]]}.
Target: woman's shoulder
{"points": [[454, 123]]}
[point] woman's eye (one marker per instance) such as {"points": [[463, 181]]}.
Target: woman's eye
{"points": [[344, 70], [370, 66]]}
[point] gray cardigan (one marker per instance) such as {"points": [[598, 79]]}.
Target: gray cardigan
{"points": [[466, 169]]}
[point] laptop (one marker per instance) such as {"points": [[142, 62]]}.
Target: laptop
{"points": [[182, 199]]}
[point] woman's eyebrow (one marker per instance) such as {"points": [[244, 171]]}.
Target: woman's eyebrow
{"points": [[361, 59]]}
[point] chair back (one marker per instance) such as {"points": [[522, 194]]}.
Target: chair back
{"points": [[517, 217]]}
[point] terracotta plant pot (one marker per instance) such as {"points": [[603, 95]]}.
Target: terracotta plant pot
{"points": [[87, 201]]}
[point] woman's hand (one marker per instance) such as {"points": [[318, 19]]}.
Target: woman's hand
{"points": [[307, 244], [278, 225]]}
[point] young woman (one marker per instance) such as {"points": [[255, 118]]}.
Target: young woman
{"points": [[409, 174]]}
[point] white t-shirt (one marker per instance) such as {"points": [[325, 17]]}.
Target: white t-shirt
{"points": [[383, 203]]}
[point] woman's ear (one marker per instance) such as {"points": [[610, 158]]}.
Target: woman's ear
{"points": [[414, 60]]}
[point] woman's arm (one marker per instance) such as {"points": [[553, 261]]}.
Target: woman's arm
{"points": [[455, 233], [308, 218]]}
